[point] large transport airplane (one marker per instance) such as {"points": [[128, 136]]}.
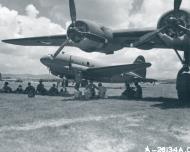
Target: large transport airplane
{"points": [[92, 37], [77, 68]]}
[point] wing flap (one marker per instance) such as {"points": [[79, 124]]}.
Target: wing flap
{"points": [[54, 40]]}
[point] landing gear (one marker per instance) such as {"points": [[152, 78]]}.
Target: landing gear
{"points": [[183, 84], [183, 80], [65, 82]]}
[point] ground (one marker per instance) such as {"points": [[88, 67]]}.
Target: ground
{"points": [[57, 124]]}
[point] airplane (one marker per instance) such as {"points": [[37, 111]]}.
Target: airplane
{"points": [[78, 69], [92, 37]]}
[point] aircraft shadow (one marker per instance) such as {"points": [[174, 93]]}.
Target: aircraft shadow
{"points": [[167, 103], [164, 103], [161, 102]]}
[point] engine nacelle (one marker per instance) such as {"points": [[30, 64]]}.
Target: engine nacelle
{"points": [[85, 43], [183, 18]]}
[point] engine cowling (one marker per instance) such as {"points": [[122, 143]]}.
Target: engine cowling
{"points": [[181, 17], [75, 34]]}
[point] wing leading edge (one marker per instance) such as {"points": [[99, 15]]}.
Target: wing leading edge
{"points": [[54, 40]]}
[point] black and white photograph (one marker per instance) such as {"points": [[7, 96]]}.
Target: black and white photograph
{"points": [[94, 76]]}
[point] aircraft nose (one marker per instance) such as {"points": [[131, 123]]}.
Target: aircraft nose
{"points": [[46, 60]]}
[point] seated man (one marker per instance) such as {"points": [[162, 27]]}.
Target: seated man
{"points": [[77, 93], [63, 92], [19, 90], [41, 89], [129, 92], [30, 90], [53, 91], [87, 93], [101, 91], [92, 88], [6, 88], [138, 91]]}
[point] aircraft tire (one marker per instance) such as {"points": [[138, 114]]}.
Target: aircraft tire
{"points": [[183, 87]]}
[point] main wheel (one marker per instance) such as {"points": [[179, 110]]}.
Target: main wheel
{"points": [[183, 86]]}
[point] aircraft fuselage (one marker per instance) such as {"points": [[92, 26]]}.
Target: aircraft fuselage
{"points": [[69, 66]]}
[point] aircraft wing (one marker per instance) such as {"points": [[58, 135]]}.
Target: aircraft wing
{"points": [[126, 37], [54, 40], [120, 37], [144, 80], [114, 70]]}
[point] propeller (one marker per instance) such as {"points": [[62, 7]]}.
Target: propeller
{"points": [[72, 11], [73, 19], [60, 48], [88, 35], [76, 31], [186, 30], [172, 22], [177, 4]]}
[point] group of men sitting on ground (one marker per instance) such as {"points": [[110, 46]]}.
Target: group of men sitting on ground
{"points": [[31, 91], [132, 93], [90, 91]]}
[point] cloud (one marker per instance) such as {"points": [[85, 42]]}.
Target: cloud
{"points": [[13, 25], [31, 11]]}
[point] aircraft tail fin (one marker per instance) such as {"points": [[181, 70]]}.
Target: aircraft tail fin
{"points": [[141, 72]]}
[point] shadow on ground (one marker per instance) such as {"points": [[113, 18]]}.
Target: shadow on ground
{"points": [[168, 103], [160, 102], [163, 103]]}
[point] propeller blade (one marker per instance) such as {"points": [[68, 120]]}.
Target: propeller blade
{"points": [[72, 11], [148, 37], [177, 4], [60, 48], [186, 30]]}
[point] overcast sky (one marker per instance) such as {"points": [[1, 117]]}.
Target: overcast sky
{"points": [[22, 18]]}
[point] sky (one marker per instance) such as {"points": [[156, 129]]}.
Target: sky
{"points": [[21, 18]]}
